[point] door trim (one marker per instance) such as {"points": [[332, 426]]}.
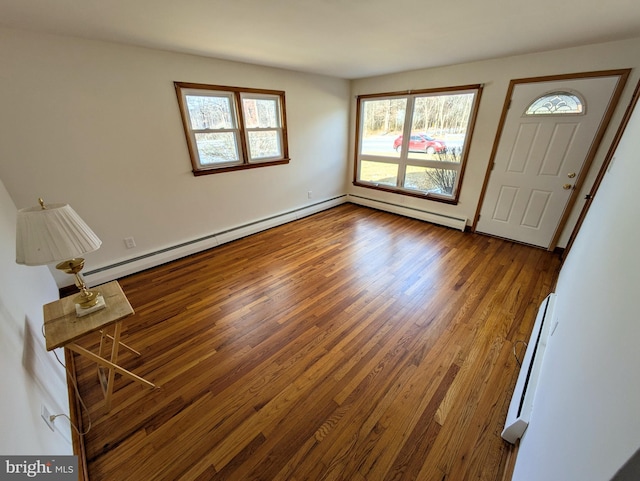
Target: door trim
{"points": [[623, 75], [603, 169]]}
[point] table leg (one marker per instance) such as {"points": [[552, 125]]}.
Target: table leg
{"points": [[102, 336], [101, 378], [128, 348], [114, 360], [109, 365]]}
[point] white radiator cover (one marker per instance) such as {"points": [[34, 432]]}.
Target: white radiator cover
{"points": [[170, 253], [458, 223], [523, 397]]}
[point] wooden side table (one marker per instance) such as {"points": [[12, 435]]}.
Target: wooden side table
{"points": [[62, 328]]}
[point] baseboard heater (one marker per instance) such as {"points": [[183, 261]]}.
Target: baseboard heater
{"points": [[524, 393], [459, 223], [154, 258]]}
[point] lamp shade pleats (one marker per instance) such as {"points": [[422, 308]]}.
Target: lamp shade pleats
{"points": [[52, 234]]}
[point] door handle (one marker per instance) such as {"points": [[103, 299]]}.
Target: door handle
{"points": [[571, 175], [567, 186]]}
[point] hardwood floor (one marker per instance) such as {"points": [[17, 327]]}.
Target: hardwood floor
{"points": [[351, 345]]}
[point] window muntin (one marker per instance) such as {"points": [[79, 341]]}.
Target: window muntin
{"points": [[221, 137], [415, 143], [556, 103]]}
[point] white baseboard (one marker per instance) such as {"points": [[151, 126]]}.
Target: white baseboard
{"points": [[126, 267], [116, 270]]}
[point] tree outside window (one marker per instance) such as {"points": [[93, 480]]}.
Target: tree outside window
{"points": [[415, 143]]}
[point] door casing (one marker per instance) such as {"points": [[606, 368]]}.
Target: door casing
{"points": [[623, 75]]}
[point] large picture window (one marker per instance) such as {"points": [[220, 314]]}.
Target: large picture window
{"points": [[229, 128], [415, 143]]}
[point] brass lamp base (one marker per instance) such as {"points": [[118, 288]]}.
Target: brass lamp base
{"points": [[85, 311], [86, 298]]}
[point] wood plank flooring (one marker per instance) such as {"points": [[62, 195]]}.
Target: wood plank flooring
{"points": [[350, 345]]}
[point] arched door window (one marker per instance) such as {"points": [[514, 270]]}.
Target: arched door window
{"points": [[557, 103]]}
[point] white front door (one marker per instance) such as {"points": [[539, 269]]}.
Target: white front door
{"points": [[540, 156]]}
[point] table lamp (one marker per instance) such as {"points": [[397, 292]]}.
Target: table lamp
{"points": [[56, 233]]}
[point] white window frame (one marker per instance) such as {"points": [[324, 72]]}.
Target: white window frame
{"points": [[274, 128]]}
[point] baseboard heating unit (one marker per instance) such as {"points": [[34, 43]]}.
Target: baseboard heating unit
{"points": [[459, 223], [523, 395]]}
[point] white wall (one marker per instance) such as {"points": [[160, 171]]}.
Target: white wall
{"points": [[585, 422], [97, 125], [495, 75], [30, 375]]}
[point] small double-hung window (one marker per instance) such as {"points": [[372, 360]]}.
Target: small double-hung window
{"points": [[230, 128]]}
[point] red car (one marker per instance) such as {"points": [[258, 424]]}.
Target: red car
{"points": [[421, 143]]}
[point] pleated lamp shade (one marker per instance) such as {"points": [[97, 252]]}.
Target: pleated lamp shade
{"points": [[51, 234]]}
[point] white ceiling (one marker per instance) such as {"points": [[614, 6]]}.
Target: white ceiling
{"points": [[342, 38]]}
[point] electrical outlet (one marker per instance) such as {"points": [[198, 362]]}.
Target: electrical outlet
{"points": [[46, 415], [129, 242], [309, 194]]}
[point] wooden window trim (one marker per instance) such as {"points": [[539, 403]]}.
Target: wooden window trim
{"points": [[245, 162], [463, 162]]}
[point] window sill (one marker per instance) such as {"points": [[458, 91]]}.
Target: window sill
{"points": [[219, 170], [418, 195]]}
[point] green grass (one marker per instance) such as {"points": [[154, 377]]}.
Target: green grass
{"points": [[387, 174]]}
